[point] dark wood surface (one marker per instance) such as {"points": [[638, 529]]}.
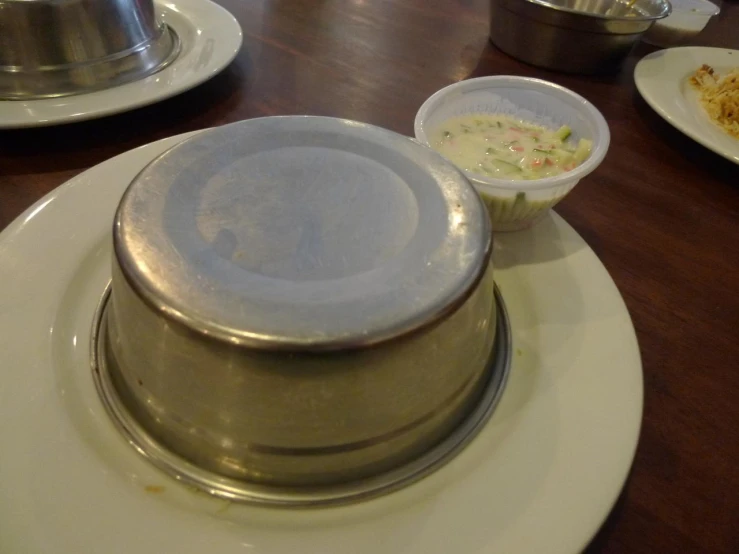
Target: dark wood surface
{"points": [[661, 212]]}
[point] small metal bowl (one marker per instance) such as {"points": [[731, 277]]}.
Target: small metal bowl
{"points": [[50, 48], [576, 36], [299, 301]]}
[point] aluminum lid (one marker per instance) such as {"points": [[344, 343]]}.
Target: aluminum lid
{"points": [[302, 233]]}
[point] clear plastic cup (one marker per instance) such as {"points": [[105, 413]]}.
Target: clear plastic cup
{"points": [[515, 205]]}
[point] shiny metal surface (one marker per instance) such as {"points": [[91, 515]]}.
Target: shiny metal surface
{"points": [[578, 36], [496, 375], [52, 48], [292, 418], [302, 233], [300, 300]]}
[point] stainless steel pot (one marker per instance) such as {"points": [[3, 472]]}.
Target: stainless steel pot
{"points": [[578, 36], [300, 301], [56, 48]]}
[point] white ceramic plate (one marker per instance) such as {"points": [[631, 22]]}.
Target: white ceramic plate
{"points": [[662, 80], [541, 476], [210, 37]]}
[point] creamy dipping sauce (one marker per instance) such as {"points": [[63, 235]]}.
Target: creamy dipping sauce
{"points": [[502, 147]]}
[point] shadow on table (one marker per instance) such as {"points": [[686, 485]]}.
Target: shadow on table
{"points": [[80, 145]]}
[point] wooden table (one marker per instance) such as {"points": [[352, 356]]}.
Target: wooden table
{"points": [[661, 212]]}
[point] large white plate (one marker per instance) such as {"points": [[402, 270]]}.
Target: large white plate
{"points": [[210, 37], [541, 477], [662, 80]]}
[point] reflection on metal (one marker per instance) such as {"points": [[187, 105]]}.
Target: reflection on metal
{"points": [[574, 36], [259, 493], [52, 49]]}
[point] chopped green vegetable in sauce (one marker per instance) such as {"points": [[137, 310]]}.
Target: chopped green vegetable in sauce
{"points": [[507, 148]]}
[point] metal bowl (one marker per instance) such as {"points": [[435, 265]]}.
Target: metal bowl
{"points": [[577, 36], [55, 48], [300, 301]]}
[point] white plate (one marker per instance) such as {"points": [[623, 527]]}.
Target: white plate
{"points": [[541, 476], [210, 37], [662, 80]]}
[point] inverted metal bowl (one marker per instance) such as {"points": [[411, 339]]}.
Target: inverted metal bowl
{"points": [[54, 48], [577, 36], [300, 301], [239, 490]]}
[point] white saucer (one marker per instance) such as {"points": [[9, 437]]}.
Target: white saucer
{"points": [[541, 476], [210, 37], [662, 78]]}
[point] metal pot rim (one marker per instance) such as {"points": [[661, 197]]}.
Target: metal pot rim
{"points": [[664, 12]]}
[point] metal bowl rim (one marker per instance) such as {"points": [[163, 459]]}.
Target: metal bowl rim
{"points": [[118, 81], [107, 58], [664, 12]]}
